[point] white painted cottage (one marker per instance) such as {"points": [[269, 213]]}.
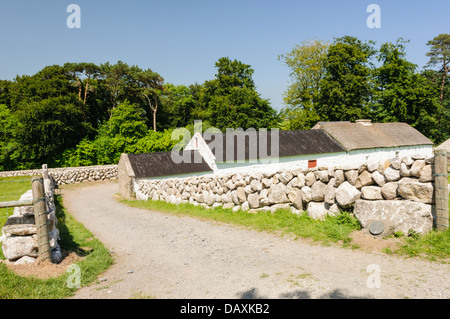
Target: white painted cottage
{"points": [[364, 141], [344, 144]]}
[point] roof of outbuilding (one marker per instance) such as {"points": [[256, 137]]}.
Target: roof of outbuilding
{"points": [[444, 146], [162, 164], [290, 143], [352, 136]]}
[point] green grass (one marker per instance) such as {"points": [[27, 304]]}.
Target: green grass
{"points": [[434, 246], [74, 238], [332, 229]]}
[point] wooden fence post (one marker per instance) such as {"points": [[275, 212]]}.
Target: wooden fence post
{"points": [[441, 189], [40, 215]]}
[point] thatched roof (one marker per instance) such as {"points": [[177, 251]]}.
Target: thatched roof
{"points": [[365, 135], [160, 164], [289, 143], [444, 146]]}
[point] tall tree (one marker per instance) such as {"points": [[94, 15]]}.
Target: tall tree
{"points": [[306, 66], [440, 55], [149, 85], [231, 99], [116, 78], [402, 94], [346, 87]]}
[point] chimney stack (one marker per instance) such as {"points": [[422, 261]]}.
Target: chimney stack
{"points": [[365, 122]]}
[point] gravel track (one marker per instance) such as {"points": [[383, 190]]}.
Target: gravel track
{"points": [[165, 256]]}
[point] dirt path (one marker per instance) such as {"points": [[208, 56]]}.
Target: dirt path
{"points": [[165, 256]]}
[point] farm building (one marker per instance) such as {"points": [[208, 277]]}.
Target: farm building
{"points": [[364, 141], [445, 146], [327, 144], [266, 150], [133, 167]]}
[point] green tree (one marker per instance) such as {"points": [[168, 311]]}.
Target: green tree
{"points": [[178, 104], [231, 100], [440, 55], [306, 66], [149, 85], [8, 123], [346, 88], [45, 129], [50, 82], [402, 94]]}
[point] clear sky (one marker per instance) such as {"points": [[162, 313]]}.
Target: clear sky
{"points": [[181, 40]]}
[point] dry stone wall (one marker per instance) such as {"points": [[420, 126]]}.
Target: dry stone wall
{"points": [[71, 175], [19, 234], [398, 192]]}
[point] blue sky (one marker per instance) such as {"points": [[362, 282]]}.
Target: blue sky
{"points": [[181, 40]]}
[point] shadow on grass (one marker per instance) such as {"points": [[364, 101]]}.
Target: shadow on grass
{"points": [[67, 241]]}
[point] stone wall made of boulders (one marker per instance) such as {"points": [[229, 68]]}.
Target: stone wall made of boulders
{"points": [[19, 235], [72, 175], [398, 191]]}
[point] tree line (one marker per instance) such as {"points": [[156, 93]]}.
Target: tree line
{"points": [[80, 114], [351, 79]]}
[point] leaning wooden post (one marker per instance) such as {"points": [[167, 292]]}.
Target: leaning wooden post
{"points": [[40, 216], [441, 189]]}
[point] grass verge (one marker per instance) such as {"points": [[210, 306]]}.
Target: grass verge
{"points": [[74, 238]]}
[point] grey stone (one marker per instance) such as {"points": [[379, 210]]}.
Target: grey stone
{"points": [[318, 191], [267, 182], [277, 194], [417, 167], [322, 176], [317, 210], [371, 193], [347, 194], [408, 160], [228, 205], [293, 183], [351, 176], [426, 174], [378, 178], [403, 215], [339, 177], [389, 190], [364, 179], [285, 177], [248, 189], [245, 206], [310, 179], [372, 165], [330, 191], [392, 174], [404, 170], [226, 198], [253, 200], [333, 210], [15, 247], [378, 228], [306, 194], [412, 189], [240, 192], [396, 163], [295, 197], [301, 180]]}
